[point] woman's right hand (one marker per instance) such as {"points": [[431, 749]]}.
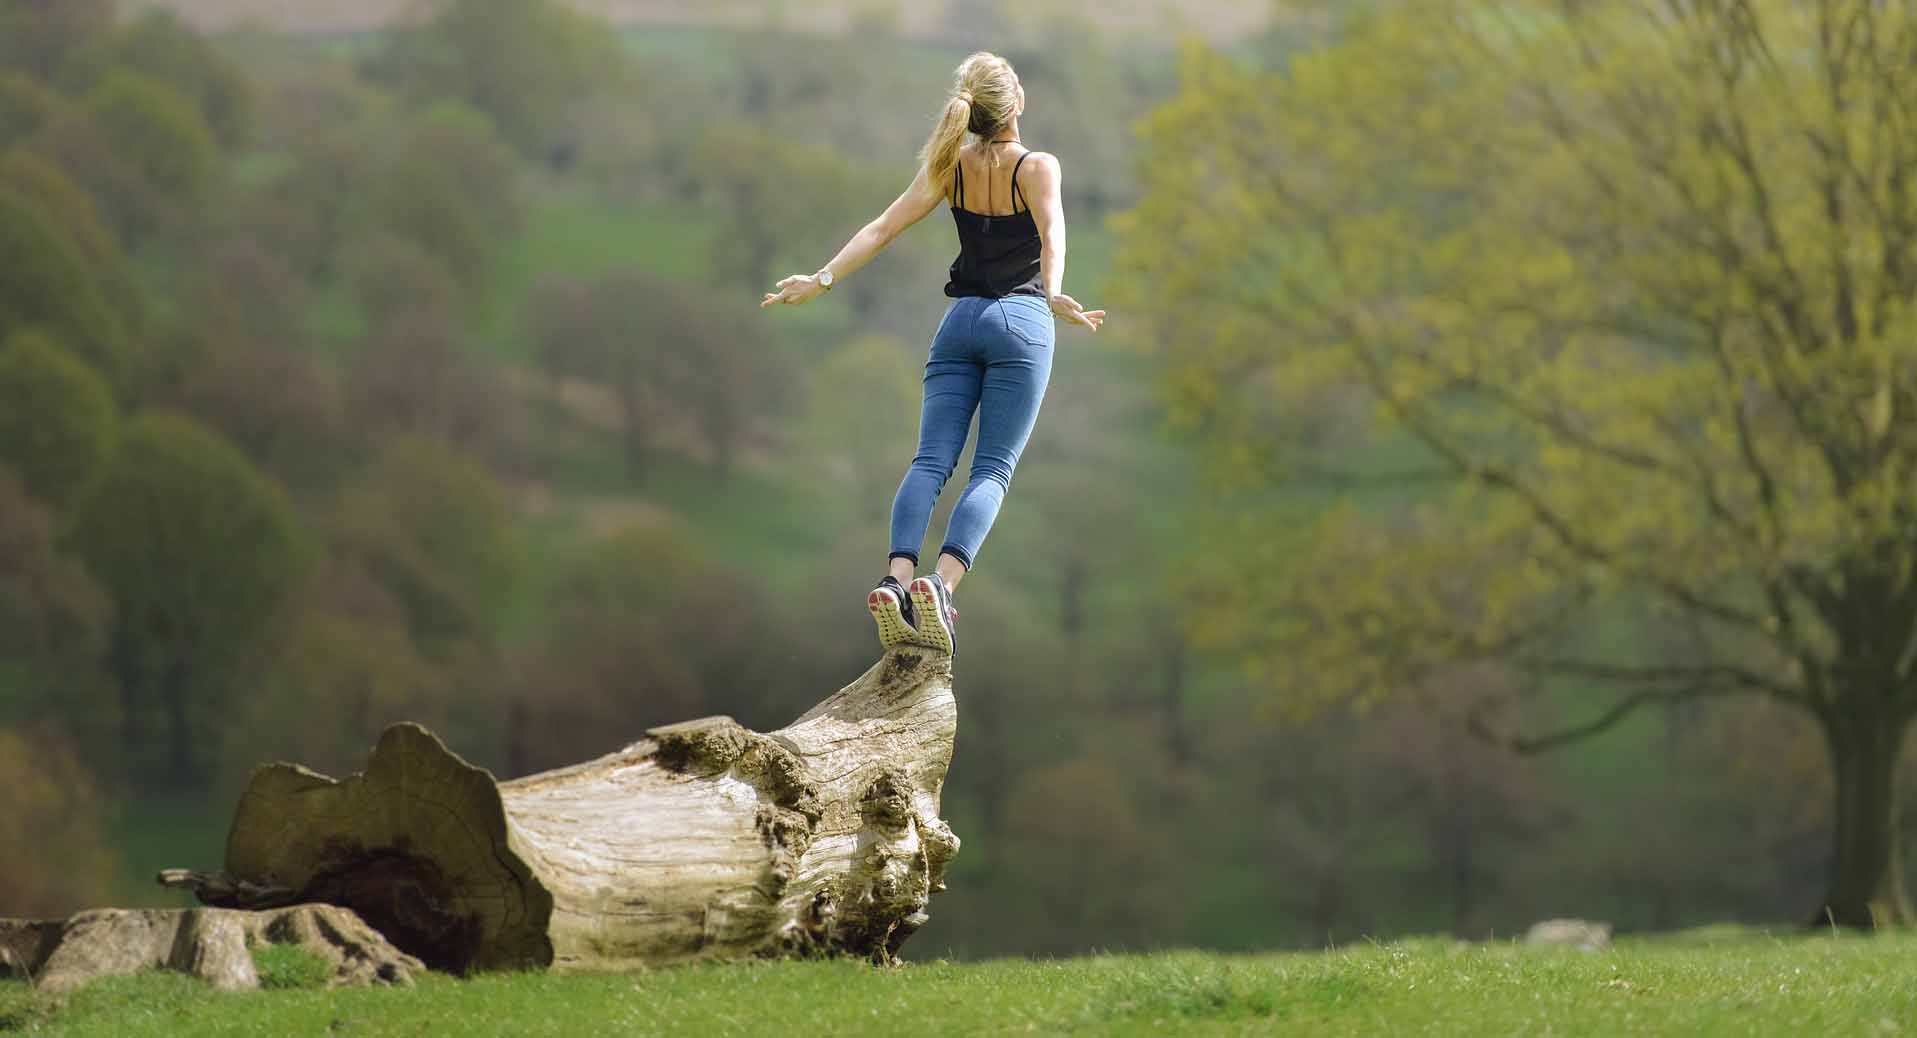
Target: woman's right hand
{"points": [[1067, 307]]}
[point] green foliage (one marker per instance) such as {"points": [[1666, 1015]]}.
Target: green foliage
{"points": [[451, 188], [158, 132], [1615, 277], [851, 423], [25, 107], [1533, 302], [53, 849], [41, 180], [163, 48], [435, 528], [528, 64], [199, 550], [54, 619], [57, 417], [283, 967], [626, 642], [312, 211], [750, 177], [350, 668], [62, 272], [669, 357], [38, 36]]}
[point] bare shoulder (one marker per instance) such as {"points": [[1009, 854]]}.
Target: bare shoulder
{"points": [[1044, 163], [1038, 170]]}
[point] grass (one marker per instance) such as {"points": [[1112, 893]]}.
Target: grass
{"points": [[1725, 983], [576, 233], [288, 966]]}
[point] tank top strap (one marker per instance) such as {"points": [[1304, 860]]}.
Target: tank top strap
{"points": [[1017, 197], [958, 180]]}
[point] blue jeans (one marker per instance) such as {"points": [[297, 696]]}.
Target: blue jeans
{"points": [[993, 356]]}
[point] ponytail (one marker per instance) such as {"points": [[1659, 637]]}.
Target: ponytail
{"points": [[940, 153], [984, 98]]}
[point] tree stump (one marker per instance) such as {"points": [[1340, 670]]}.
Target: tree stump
{"points": [[705, 840], [210, 943]]}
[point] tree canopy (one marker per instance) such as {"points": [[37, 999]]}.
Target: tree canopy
{"points": [[1619, 297], [198, 550], [64, 273], [528, 64], [57, 417]]}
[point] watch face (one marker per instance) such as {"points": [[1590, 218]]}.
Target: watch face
{"points": [[825, 278]]}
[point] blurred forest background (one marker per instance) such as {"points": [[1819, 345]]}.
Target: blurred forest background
{"points": [[411, 368]]}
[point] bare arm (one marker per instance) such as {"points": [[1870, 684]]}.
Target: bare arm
{"points": [[1041, 182], [909, 208]]}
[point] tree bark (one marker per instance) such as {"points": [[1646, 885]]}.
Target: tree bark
{"points": [[1867, 863], [704, 840], [179, 731]]}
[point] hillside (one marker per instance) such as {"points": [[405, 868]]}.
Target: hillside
{"points": [[1218, 22]]}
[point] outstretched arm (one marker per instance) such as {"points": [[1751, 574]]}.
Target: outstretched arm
{"points": [[909, 208], [1043, 189]]}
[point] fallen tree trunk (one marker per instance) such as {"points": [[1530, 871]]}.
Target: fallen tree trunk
{"points": [[703, 840]]}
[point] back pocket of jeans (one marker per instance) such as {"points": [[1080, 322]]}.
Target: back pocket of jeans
{"points": [[1028, 324]]}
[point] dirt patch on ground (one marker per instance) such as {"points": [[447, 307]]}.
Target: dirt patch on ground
{"points": [[596, 517]]}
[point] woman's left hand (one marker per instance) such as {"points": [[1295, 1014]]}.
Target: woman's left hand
{"points": [[1068, 308], [793, 290]]}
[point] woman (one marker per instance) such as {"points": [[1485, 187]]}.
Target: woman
{"points": [[993, 350]]}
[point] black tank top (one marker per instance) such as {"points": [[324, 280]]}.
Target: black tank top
{"points": [[998, 255]]}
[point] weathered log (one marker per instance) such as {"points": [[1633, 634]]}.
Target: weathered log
{"points": [[704, 840], [213, 944]]}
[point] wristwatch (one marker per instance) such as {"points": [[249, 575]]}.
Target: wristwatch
{"points": [[825, 278]]}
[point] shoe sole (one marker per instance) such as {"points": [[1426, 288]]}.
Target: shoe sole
{"points": [[932, 629], [893, 630]]}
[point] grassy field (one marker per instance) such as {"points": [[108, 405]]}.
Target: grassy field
{"points": [[1725, 983]]}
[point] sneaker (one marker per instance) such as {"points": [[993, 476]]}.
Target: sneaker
{"points": [[937, 619], [891, 609]]}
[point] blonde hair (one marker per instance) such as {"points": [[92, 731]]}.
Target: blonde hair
{"points": [[984, 98]]}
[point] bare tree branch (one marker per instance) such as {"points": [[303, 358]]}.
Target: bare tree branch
{"points": [[1475, 721]]}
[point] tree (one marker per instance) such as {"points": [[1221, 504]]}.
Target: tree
{"points": [[53, 619], [530, 65], [158, 130], [57, 417], [851, 428], [734, 386], [451, 188], [434, 528], [414, 373], [39, 35], [40, 180], [308, 213], [62, 273], [751, 176], [25, 107], [53, 847], [162, 47], [669, 357], [341, 678], [1625, 288], [620, 647], [141, 150], [199, 550]]}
